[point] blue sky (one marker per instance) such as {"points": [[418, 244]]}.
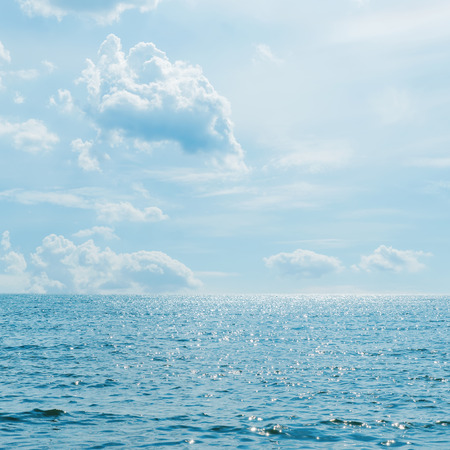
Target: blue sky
{"points": [[224, 146]]}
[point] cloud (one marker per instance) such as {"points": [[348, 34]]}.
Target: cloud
{"points": [[393, 24], [13, 267], [103, 11], [85, 160], [60, 266], [18, 98], [303, 263], [51, 67], [31, 136], [389, 259], [4, 54], [264, 53], [147, 98], [63, 101], [105, 232], [118, 212], [106, 211], [66, 199], [26, 74], [313, 156], [86, 268]]}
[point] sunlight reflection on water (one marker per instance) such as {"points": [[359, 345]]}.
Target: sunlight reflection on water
{"points": [[237, 372]]}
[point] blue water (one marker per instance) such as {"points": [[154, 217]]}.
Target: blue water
{"points": [[228, 372]]}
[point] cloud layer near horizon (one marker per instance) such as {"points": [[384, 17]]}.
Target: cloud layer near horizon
{"points": [[60, 266], [389, 259], [308, 264]]}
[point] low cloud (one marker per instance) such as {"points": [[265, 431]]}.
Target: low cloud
{"points": [[303, 264], [145, 97], [389, 259], [13, 276], [102, 11], [31, 136], [60, 266]]}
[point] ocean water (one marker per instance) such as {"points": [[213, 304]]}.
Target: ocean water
{"points": [[255, 372]]}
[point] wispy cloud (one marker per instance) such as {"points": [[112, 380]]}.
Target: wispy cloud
{"points": [[105, 232], [412, 24], [313, 156], [263, 53], [101, 11], [106, 211]]}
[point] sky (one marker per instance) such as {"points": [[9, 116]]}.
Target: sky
{"points": [[224, 146]]}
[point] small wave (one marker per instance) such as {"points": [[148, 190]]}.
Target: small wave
{"points": [[47, 412], [33, 414]]}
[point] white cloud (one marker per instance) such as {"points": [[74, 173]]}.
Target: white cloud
{"points": [[106, 211], [59, 265], [117, 212], [145, 97], [5, 242], [398, 24], [264, 53], [392, 260], [105, 232], [51, 67], [26, 74], [85, 160], [63, 101], [19, 98], [4, 53], [86, 268], [31, 136], [303, 263], [312, 156], [67, 199], [13, 267], [101, 11]]}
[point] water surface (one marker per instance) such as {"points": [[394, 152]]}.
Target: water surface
{"points": [[231, 372]]}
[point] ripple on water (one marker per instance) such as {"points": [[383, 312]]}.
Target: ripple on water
{"points": [[237, 372]]}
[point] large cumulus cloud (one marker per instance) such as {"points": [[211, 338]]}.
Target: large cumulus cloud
{"points": [[60, 266], [144, 96]]}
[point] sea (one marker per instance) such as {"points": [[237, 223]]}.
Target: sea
{"points": [[239, 372]]}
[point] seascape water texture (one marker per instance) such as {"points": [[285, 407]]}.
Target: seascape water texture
{"points": [[228, 372]]}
